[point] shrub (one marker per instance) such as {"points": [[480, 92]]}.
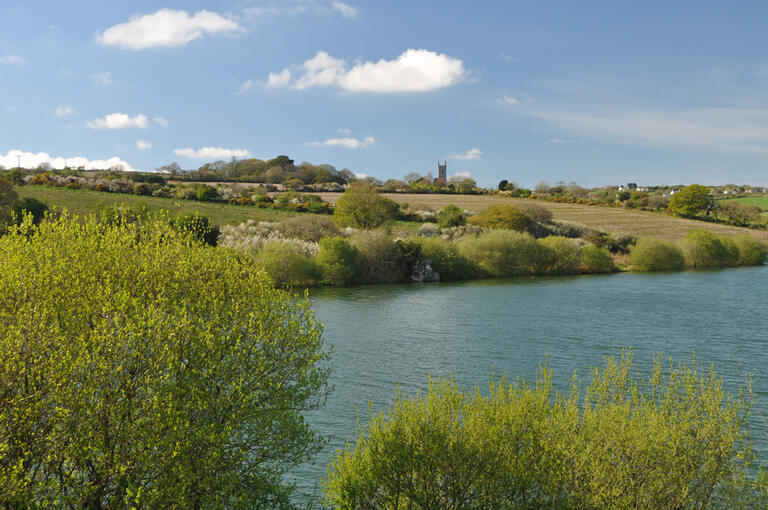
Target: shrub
{"points": [[142, 188], [306, 227], [287, 265], [737, 213], [362, 207], [702, 249], [505, 216], [656, 255], [339, 261], [250, 237], [205, 192], [665, 442], [381, 260], [8, 199], [752, 252], [445, 258], [596, 260], [31, 206], [560, 256], [536, 212], [450, 216], [198, 226], [501, 253], [142, 370], [121, 213]]}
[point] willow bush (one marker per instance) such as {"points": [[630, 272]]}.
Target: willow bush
{"points": [[669, 441], [143, 369]]}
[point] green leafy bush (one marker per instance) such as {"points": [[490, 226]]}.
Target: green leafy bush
{"points": [[657, 443], [691, 201], [445, 258], [501, 253], [8, 198], [205, 192], [596, 260], [381, 260], [502, 216], [702, 250], [307, 227], [450, 216], [198, 226], [656, 255], [287, 265], [361, 206], [560, 256], [752, 252], [143, 370], [339, 261]]}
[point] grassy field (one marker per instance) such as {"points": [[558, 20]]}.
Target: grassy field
{"points": [[760, 201], [608, 219], [83, 202]]}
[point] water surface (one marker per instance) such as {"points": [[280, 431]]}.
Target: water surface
{"points": [[385, 337]]}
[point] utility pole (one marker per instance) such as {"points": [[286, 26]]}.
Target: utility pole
{"points": [[18, 158]]}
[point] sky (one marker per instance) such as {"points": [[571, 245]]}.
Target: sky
{"points": [[597, 92]]}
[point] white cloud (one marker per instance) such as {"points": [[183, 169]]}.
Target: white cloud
{"points": [[12, 59], [118, 121], [166, 28], [245, 87], [103, 79], [346, 10], [347, 142], [64, 111], [212, 153], [461, 176], [561, 140], [280, 79], [160, 121], [143, 145], [509, 100], [728, 129], [360, 175], [344, 131], [412, 71], [32, 160], [470, 154]]}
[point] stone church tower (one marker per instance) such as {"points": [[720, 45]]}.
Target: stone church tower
{"points": [[441, 171]]}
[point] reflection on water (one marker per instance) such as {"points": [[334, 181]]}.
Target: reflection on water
{"points": [[385, 337]]}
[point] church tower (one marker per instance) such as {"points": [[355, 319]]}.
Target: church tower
{"points": [[441, 171]]}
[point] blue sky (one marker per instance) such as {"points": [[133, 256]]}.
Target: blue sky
{"points": [[593, 92]]}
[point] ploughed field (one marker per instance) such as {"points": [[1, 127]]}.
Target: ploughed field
{"points": [[614, 220]]}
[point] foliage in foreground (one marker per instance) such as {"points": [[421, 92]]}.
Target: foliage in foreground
{"points": [[668, 442], [141, 368]]}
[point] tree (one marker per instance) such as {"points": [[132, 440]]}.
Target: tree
{"points": [[451, 216], [503, 185], [8, 198], [502, 216], [656, 255], [672, 440], [737, 213], [542, 187], [143, 370], [691, 201], [362, 207]]}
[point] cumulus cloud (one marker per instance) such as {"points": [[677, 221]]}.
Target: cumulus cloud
{"points": [[64, 111], [412, 71], [346, 10], [347, 142], [160, 121], [509, 100], [103, 79], [32, 160], [212, 153], [143, 145], [12, 59], [460, 176], [473, 153], [166, 28], [728, 129], [118, 121]]}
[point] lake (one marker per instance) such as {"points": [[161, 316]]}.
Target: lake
{"points": [[395, 336]]}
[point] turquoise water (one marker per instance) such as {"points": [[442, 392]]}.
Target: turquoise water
{"points": [[385, 337]]}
